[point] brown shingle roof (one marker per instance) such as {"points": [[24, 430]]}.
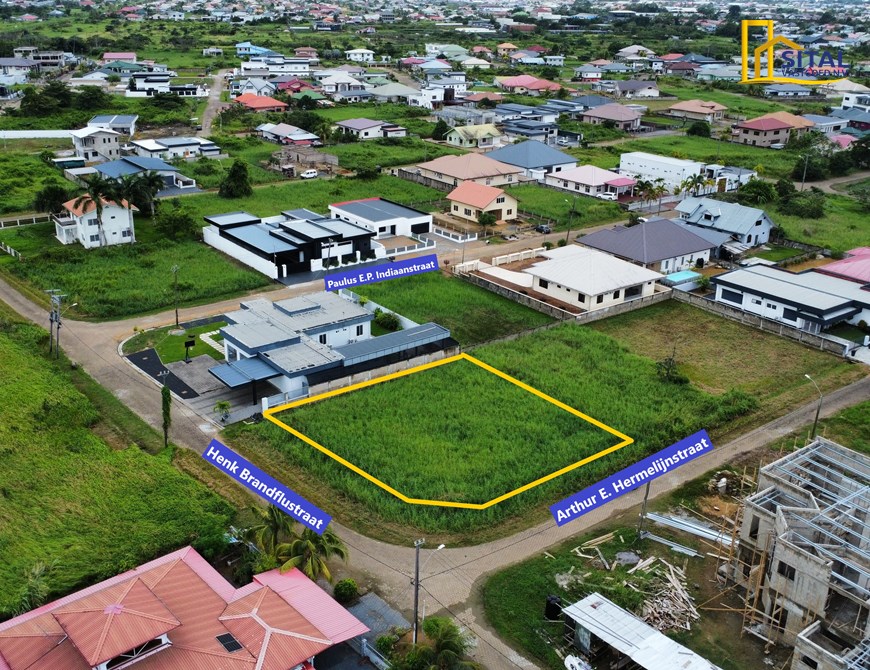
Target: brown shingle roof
{"points": [[469, 166]]}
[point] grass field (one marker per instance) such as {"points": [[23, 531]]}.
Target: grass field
{"points": [[580, 211], [78, 492], [170, 347], [387, 153], [412, 118], [315, 194], [22, 174], [127, 279], [844, 226], [472, 314], [578, 366], [776, 253]]}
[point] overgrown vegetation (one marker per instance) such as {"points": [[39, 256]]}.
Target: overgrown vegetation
{"points": [[69, 499]]}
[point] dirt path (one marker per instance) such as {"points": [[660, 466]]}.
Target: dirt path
{"points": [[214, 103], [451, 578], [827, 184]]}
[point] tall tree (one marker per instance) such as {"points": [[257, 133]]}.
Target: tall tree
{"points": [[271, 529], [310, 551], [237, 183], [149, 185], [99, 191]]}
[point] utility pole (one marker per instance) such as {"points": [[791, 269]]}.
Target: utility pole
{"points": [[52, 292], [818, 407], [175, 270], [643, 513], [417, 545]]}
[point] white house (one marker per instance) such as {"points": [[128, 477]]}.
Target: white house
{"points": [[360, 55], [810, 300], [254, 85], [590, 279], [80, 224], [96, 144], [367, 129], [590, 180], [674, 171], [275, 66], [125, 124], [384, 217], [748, 225], [168, 148]]}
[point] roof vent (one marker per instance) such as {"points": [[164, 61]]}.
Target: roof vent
{"points": [[229, 643]]}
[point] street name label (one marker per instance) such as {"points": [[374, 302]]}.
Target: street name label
{"points": [[626, 480], [374, 274], [244, 472]]}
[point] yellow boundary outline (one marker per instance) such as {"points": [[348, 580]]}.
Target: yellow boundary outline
{"points": [[269, 414]]}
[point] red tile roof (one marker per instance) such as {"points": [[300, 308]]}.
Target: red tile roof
{"points": [[90, 206], [280, 621], [255, 102], [764, 124], [474, 194]]}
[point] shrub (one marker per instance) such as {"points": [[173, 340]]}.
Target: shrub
{"points": [[547, 245], [387, 320], [346, 591], [699, 129]]}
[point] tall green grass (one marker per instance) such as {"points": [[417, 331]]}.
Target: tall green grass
{"points": [[69, 500], [458, 433]]}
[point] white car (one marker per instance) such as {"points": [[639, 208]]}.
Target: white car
{"points": [[606, 196], [308, 174]]}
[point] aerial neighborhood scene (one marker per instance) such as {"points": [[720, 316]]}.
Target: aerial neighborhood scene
{"points": [[434, 335]]}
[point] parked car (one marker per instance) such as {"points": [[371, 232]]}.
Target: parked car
{"points": [[562, 142], [606, 196], [777, 146], [543, 228], [308, 174]]}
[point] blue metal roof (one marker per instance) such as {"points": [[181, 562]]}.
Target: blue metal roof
{"points": [[134, 165], [391, 343], [245, 371], [530, 154], [377, 209]]}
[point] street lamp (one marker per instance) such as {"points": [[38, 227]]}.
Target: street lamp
{"points": [[57, 318], [818, 407], [417, 545], [175, 270], [806, 163]]}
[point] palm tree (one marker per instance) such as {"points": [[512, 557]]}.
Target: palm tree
{"points": [[99, 191], [309, 552], [149, 185], [127, 191], [271, 528], [643, 188], [446, 648], [658, 191]]}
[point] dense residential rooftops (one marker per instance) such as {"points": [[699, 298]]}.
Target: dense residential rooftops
{"points": [[656, 240]]}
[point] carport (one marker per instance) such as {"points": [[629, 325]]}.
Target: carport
{"points": [[245, 371]]}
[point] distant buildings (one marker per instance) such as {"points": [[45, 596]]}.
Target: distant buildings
{"points": [[674, 172], [79, 223]]}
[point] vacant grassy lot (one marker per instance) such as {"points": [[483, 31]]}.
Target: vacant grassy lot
{"points": [[844, 226], [717, 354], [472, 314], [22, 174], [126, 279], [255, 152], [578, 366], [412, 118], [315, 194], [78, 492], [776, 253], [170, 347], [546, 202], [388, 152]]}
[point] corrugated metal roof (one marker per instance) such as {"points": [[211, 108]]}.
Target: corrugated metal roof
{"points": [[357, 352], [244, 371], [649, 242], [375, 209], [626, 633], [531, 154], [589, 271]]}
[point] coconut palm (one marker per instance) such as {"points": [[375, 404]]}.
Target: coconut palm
{"points": [[446, 646], [658, 191], [127, 191], [309, 552], [149, 185], [99, 192], [643, 188], [271, 528]]}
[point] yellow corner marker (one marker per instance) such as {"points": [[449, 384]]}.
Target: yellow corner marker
{"points": [[269, 414]]}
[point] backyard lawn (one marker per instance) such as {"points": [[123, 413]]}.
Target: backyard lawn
{"points": [[388, 152], [579, 211], [79, 495], [472, 314], [580, 367]]}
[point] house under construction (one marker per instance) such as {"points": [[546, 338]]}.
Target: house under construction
{"points": [[804, 557]]}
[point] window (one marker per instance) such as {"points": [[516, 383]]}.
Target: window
{"points": [[125, 233], [92, 222], [359, 330], [789, 314], [322, 338], [499, 199], [732, 296], [785, 570], [616, 295], [543, 283], [753, 527], [756, 301], [467, 212], [770, 305], [94, 238], [810, 663], [581, 297], [509, 212], [599, 299], [455, 208]]}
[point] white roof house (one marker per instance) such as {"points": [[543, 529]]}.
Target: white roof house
{"points": [[629, 635], [590, 279]]}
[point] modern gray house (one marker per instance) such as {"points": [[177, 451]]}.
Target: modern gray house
{"points": [[748, 226]]}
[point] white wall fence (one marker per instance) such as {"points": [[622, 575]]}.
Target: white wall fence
{"points": [[454, 236], [367, 650], [653, 205], [9, 250], [282, 399], [411, 248], [14, 222], [524, 255]]}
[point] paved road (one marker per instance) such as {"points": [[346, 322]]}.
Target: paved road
{"points": [[451, 576], [214, 104]]}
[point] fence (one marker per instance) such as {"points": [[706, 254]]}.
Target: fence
{"points": [[365, 649], [13, 222], [9, 250], [518, 256], [282, 398], [420, 179], [411, 248], [829, 343], [456, 237]]}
